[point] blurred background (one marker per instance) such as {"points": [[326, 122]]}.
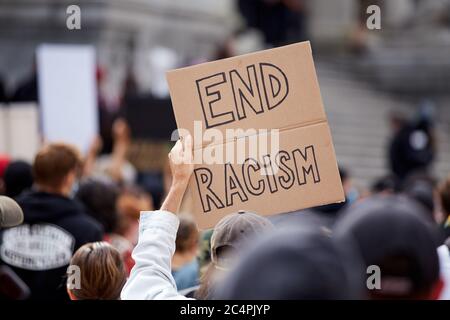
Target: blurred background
{"points": [[375, 83]]}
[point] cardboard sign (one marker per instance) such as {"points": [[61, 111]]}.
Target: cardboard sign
{"points": [[269, 91], [68, 94]]}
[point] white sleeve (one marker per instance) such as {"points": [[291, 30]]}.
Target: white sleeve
{"points": [[151, 277]]}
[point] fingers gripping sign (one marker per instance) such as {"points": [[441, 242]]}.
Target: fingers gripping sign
{"points": [[181, 159]]}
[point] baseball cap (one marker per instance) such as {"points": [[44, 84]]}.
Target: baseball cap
{"points": [[298, 263], [10, 213], [393, 233], [231, 234]]}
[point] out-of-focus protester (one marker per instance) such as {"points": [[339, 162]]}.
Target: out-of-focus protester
{"points": [[118, 212], [396, 239], [101, 273], [185, 266], [17, 178], [112, 166], [385, 185], [55, 225], [99, 197], [413, 145], [130, 203]]}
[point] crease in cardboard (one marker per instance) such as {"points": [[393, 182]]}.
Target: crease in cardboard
{"points": [[282, 129]]}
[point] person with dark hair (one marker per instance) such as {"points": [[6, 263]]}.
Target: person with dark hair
{"points": [[394, 237], [55, 225], [421, 187], [185, 266], [100, 199], [116, 210], [385, 185], [413, 146], [17, 178]]}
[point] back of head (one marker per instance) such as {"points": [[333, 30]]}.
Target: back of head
{"points": [[100, 199], [53, 163], [102, 273], [294, 264], [131, 201], [187, 235], [18, 177], [394, 234]]}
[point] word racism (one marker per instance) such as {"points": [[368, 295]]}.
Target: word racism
{"points": [[282, 171]]}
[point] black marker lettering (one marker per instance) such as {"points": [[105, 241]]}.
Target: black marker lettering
{"points": [[233, 186], [245, 94], [307, 163], [253, 165], [203, 177], [208, 98]]}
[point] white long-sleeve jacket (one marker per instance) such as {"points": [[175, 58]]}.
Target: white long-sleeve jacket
{"points": [[151, 277]]}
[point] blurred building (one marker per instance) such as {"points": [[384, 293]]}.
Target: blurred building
{"points": [[123, 32], [364, 74]]}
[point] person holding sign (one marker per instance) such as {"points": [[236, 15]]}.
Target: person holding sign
{"points": [[151, 277]]}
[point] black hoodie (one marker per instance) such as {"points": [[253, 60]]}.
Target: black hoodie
{"points": [[40, 249]]}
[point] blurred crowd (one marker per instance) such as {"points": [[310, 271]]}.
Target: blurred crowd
{"points": [[84, 211], [97, 227]]}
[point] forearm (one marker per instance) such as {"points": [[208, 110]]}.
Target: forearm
{"points": [[175, 196], [119, 156]]}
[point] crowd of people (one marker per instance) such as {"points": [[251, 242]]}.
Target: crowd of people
{"points": [[91, 232]]}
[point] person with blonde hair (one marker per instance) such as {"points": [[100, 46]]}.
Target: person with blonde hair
{"points": [[101, 273]]}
